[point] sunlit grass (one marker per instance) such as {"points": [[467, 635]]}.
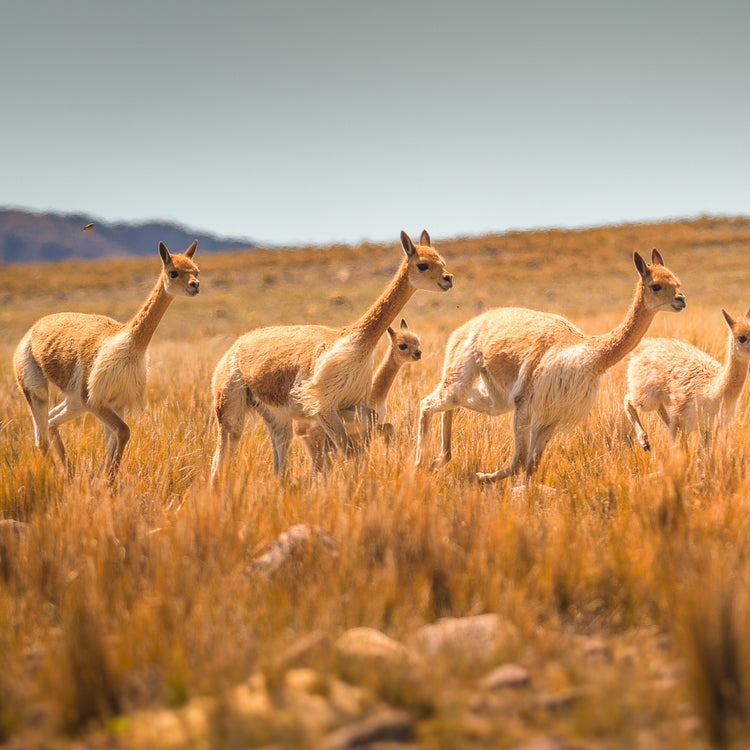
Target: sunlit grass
{"points": [[141, 596]]}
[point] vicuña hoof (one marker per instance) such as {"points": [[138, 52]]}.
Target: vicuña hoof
{"points": [[438, 463]]}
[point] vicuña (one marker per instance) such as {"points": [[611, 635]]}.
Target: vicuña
{"points": [[539, 366], [313, 372], [404, 348], [99, 364], [685, 386]]}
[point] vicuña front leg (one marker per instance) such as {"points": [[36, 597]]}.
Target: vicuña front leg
{"points": [[632, 414], [335, 429], [116, 444]]}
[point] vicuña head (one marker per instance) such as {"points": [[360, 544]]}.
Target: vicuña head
{"points": [[98, 363], [426, 267], [538, 365], [405, 344], [660, 287], [313, 373], [179, 272]]}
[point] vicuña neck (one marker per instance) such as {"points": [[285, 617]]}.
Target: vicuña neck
{"points": [[611, 347], [732, 377], [143, 324], [383, 379], [373, 324]]}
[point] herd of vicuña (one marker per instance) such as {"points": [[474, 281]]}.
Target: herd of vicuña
{"points": [[320, 385]]}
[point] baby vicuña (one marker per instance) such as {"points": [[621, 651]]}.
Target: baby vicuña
{"points": [[403, 348], [685, 386]]}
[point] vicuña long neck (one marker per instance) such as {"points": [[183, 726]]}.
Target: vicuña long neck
{"points": [[143, 324], [383, 380], [732, 376], [611, 347], [373, 324]]}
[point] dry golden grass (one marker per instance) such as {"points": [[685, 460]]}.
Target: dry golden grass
{"points": [[116, 601]]}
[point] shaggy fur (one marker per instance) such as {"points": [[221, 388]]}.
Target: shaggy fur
{"points": [[539, 366], [98, 363], [686, 387], [404, 347], [289, 373]]}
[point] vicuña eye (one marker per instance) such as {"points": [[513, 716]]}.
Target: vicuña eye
{"points": [[655, 287], [403, 346], [742, 339], [173, 274], [422, 266]]}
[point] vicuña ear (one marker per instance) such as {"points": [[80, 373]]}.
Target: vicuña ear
{"points": [[190, 252], [390, 332], [728, 318], [425, 239], [403, 323], [165, 256], [656, 258], [640, 265], [407, 244]]}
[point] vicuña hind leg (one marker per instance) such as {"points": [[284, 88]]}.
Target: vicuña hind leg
{"points": [[521, 435], [226, 448], [632, 414], [65, 411], [457, 384], [39, 406], [281, 437], [35, 389], [446, 431], [445, 398]]}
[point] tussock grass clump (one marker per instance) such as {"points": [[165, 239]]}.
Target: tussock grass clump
{"points": [[127, 601]]}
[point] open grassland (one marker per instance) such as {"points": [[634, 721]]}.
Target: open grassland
{"points": [[135, 617]]}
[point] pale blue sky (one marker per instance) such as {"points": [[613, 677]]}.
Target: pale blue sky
{"points": [[311, 122]]}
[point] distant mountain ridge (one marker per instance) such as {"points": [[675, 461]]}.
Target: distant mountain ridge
{"points": [[27, 237]]}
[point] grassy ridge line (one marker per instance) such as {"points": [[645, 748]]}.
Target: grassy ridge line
{"points": [[114, 602]]}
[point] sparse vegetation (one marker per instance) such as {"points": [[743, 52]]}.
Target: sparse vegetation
{"points": [[134, 617]]}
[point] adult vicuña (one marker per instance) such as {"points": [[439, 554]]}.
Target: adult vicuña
{"points": [[98, 363], [538, 365], [312, 372], [684, 385], [403, 348]]}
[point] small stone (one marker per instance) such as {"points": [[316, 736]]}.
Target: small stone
{"points": [[475, 636], [559, 700], [390, 725], [594, 648], [541, 743], [309, 650], [365, 649], [289, 544], [506, 676]]}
